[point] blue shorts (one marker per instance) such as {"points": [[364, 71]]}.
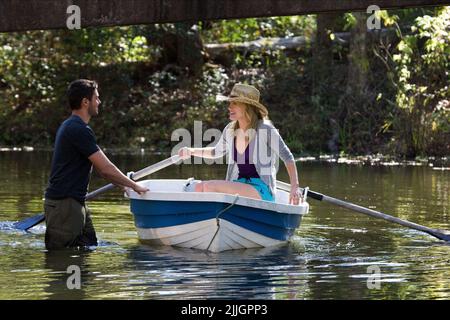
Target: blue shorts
{"points": [[262, 188]]}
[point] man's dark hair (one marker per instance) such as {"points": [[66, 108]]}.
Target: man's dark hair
{"points": [[79, 89]]}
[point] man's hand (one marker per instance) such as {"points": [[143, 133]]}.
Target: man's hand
{"points": [[140, 190]]}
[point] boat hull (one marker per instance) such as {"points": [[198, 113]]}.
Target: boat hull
{"points": [[211, 221]]}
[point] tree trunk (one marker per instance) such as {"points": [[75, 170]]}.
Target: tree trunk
{"points": [[181, 46], [322, 50], [357, 99], [358, 63], [323, 64], [189, 48]]}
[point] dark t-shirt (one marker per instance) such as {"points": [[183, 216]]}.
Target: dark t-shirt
{"points": [[71, 168]]}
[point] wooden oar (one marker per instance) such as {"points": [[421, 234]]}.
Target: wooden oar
{"points": [[32, 221], [438, 233]]}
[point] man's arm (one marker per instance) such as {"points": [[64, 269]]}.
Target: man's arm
{"points": [[111, 173]]}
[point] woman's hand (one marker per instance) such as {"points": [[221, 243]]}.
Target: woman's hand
{"points": [[185, 153], [295, 197]]}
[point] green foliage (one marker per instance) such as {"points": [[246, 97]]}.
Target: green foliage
{"points": [[37, 66], [402, 108], [103, 46], [241, 30], [27, 72], [422, 74], [350, 20]]}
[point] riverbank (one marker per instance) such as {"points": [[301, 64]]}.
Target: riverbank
{"points": [[437, 163]]}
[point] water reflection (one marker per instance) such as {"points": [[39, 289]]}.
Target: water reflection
{"points": [[61, 280], [240, 274]]}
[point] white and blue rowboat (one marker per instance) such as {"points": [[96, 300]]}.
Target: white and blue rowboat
{"points": [[173, 214]]}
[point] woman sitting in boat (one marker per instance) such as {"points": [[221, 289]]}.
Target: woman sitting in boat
{"points": [[252, 145]]}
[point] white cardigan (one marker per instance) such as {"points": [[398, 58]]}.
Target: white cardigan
{"points": [[269, 146]]}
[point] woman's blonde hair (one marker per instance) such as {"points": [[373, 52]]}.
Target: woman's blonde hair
{"points": [[254, 117]]}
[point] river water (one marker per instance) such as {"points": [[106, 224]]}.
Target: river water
{"points": [[335, 254]]}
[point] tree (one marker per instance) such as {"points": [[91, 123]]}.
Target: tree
{"points": [[181, 45]]}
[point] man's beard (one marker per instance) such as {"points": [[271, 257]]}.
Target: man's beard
{"points": [[92, 110]]}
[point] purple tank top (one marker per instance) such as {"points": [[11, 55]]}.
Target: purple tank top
{"points": [[246, 169]]}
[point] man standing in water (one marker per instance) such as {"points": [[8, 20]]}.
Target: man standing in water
{"points": [[67, 218]]}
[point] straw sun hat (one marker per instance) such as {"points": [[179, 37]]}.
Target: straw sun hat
{"points": [[245, 93]]}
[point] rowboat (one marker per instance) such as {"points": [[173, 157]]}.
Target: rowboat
{"points": [[240, 222], [172, 213]]}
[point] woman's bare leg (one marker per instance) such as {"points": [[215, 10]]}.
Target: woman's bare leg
{"points": [[223, 186]]}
